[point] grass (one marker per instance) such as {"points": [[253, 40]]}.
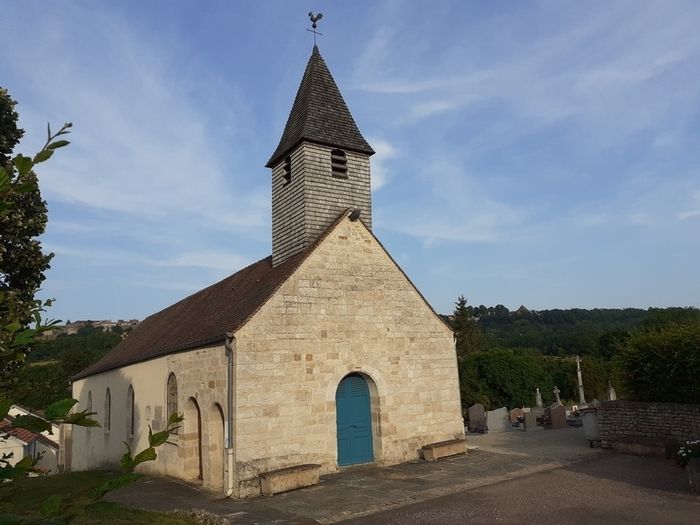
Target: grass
{"points": [[21, 502]]}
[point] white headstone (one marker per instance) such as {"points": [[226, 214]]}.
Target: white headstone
{"points": [[498, 420]]}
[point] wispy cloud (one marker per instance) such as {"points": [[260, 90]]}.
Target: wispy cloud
{"points": [[141, 145], [384, 152], [606, 70], [216, 260], [457, 208]]}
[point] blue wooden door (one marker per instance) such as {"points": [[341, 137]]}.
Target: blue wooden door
{"points": [[354, 421]]}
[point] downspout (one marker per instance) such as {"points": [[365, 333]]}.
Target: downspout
{"points": [[229, 414]]}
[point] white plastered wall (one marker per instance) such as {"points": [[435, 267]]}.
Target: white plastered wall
{"points": [[201, 377]]}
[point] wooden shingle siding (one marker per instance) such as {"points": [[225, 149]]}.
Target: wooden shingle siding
{"points": [[304, 208]]}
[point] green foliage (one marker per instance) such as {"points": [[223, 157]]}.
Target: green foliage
{"points": [[558, 332], [51, 505], [499, 378], [467, 331], [42, 383], [23, 217], [129, 462], [24, 500], [10, 134], [662, 363]]}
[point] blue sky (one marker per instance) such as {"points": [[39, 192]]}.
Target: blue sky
{"points": [[537, 153]]}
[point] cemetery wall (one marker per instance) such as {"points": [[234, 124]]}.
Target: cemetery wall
{"points": [[646, 428]]}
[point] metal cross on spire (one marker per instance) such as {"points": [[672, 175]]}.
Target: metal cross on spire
{"points": [[314, 19]]}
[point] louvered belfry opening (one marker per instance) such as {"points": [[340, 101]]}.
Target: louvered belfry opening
{"points": [[320, 167], [339, 164], [287, 174]]}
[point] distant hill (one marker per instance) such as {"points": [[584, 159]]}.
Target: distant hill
{"points": [[575, 331]]}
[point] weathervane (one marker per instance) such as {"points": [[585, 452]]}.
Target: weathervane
{"points": [[314, 18]]}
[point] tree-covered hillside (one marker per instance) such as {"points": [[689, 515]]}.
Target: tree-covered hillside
{"points": [[504, 356]]}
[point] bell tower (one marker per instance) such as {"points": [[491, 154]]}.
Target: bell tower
{"points": [[320, 167]]}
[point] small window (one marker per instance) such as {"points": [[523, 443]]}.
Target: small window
{"points": [[339, 164], [130, 420], [108, 411], [172, 396], [287, 174]]}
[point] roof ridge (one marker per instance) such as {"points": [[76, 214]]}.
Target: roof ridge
{"points": [[176, 329]]}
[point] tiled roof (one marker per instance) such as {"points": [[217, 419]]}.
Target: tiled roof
{"points": [[200, 319], [23, 434], [319, 114], [20, 433], [204, 317]]}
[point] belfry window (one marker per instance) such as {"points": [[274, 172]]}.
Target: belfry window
{"points": [[287, 174], [339, 164]]}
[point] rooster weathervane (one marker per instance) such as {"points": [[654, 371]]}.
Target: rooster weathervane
{"points": [[314, 24]]}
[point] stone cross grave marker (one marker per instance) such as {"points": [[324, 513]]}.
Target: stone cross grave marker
{"points": [[556, 394]]}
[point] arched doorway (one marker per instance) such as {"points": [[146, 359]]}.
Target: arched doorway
{"points": [[192, 439], [216, 446], [354, 420]]}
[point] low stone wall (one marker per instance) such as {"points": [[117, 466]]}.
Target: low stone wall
{"points": [[647, 428]]}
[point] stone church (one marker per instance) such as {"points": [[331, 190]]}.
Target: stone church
{"points": [[323, 353]]}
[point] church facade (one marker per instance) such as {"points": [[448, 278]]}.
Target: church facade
{"points": [[323, 353]]}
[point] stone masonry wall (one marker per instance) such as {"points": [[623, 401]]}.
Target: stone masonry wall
{"points": [[348, 308], [644, 428]]}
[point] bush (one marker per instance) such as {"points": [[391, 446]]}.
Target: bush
{"points": [[507, 378], [662, 364]]}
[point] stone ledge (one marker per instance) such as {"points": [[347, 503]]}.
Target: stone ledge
{"points": [[289, 478], [443, 449]]}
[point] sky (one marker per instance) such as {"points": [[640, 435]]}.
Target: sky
{"points": [[537, 153]]}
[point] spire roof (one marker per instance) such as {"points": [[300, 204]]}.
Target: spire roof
{"points": [[319, 114]]}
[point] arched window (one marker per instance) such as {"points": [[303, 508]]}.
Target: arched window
{"points": [[88, 404], [172, 396], [130, 420], [108, 411], [287, 175], [339, 164]]}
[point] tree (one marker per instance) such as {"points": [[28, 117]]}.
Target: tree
{"points": [[23, 217], [466, 329], [662, 363]]}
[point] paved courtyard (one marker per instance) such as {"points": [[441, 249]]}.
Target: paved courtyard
{"points": [[544, 476]]}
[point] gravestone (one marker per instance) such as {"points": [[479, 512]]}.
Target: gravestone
{"points": [[530, 421], [477, 418], [498, 420], [515, 414], [557, 416]]}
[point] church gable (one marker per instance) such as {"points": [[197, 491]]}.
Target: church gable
{"points": [[347, 309], [349, 267]]}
